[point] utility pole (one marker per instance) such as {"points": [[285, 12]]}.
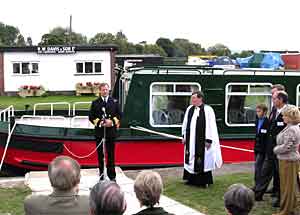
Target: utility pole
{"points": [[70, 31]]}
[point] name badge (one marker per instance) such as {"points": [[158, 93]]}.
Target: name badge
{"points": [[280, 124], [263, 131]]}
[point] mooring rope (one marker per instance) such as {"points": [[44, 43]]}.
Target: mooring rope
{"points": [[85, 156], [139, 128]]}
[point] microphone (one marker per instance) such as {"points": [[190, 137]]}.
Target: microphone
{"points": [[103, 109]]}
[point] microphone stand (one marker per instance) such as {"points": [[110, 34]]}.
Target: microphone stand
{"points": [[103, 145]]}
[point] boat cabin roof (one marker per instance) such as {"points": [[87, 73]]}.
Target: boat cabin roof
{"points": [[200, 70]]}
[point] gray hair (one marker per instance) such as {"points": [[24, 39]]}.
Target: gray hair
{"points": [[278, 87], [239, 199], [103, 85], [64, 173], [107, 198], [148, 186], [199, 94]]}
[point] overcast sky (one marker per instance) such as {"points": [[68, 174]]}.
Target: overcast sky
{"points": [[239, 24]]}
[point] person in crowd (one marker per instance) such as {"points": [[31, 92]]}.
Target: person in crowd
{"points": [[148, 187], [288, 141], [106, 198], [261, 138], [201, 140], [238, 200], [105, 114], [270, 167], [64, 175]]}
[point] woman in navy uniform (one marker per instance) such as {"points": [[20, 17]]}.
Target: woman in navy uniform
{"points": [[105, 114]]}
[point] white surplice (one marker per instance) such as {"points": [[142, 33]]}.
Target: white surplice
{"points": [[213, 156]]}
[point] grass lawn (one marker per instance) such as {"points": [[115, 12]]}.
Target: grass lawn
{"points": [[19, 103], [11, 200], [208, 201]]}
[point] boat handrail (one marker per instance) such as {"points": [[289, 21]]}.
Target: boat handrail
{"points": [[76, 103], [74, 118], [51, 106], [9, 111], [42, 117]]}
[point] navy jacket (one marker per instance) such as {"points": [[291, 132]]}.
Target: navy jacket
{"points": [[261, 137], [97, 114]]}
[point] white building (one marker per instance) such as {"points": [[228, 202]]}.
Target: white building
{"points": [[56, 68]]}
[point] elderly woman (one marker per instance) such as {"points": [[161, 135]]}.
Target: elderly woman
{"points": [[148, 186], [288, 141], [106, 198], [238, 200]]}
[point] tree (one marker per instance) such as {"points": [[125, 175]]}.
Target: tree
{"points": [[219, 50], [154, 49], [185, 48], [167, 45], [243, 54], [51, 39], [61, 36], [10, 36], [28, 41]]}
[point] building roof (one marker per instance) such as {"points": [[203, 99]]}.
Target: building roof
{"points": [[104, 47]]}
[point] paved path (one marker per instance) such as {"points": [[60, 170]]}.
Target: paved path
{"points": [[176, 172]]}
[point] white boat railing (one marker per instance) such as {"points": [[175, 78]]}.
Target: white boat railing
{"points": [[51, 106], [6, 114], [77, 103], [81, 122], [49, 121]]}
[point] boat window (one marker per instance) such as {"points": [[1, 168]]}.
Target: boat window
{"points": [[298, 96], [163, 88], [241, 101], [168, 102]]}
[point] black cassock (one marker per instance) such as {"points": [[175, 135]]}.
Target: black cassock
{"points": [[199, 177]]}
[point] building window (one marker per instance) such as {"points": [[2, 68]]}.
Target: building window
{"points": [[35, 68], [88, 67], [16, 68], [241, 100], [168, 102], [79, 67], [97, 67], [25, 68]]}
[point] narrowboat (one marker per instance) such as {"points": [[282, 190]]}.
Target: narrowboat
{"points": [[153, 100]]}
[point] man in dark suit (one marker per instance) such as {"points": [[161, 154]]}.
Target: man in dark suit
{"points": [[64, 176], [105, 115], [276, 126], [270, 166]]}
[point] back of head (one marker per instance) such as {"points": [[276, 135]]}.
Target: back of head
{"points": [[282, 95], [106, 198], [64, 173], [148, 187], [239, 199]]}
